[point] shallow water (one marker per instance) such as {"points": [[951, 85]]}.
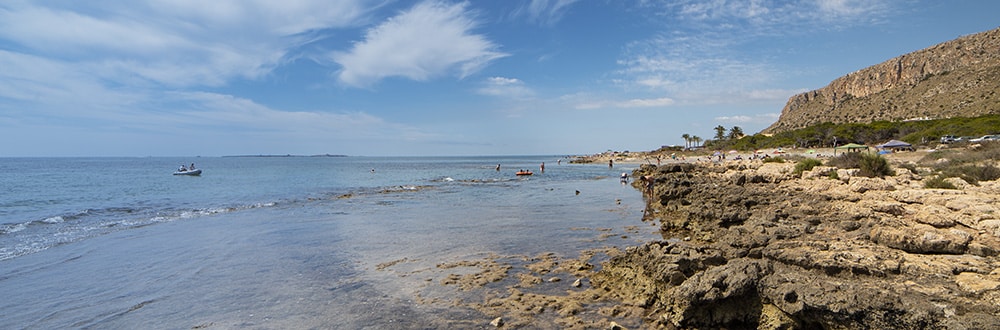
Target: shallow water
{"points": [[286, 242]]}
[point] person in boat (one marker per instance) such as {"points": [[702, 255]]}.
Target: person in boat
{"points": [[182, 169], [191, 167]]}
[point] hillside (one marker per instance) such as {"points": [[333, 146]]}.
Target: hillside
{"points": [[958, 78]]}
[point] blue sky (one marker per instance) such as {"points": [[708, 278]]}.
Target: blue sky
{"points": [[401, 78]]}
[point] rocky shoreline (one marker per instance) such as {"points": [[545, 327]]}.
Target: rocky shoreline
{"points": [[755, 246]]}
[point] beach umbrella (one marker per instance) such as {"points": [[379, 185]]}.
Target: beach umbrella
{"points": [[717, 153], [732, 151]]}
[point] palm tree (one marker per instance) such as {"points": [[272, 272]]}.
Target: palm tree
{"points": [[687, 140], [696, 140], [720, 132], [735, 133]]}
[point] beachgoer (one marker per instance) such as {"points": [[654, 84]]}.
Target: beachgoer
{"points": [[649, 184], [624, 177], [498, 167], [543, 167], [611, 163]]}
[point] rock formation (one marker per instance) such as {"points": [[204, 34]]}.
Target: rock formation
{"points": [[958, 78], [754, 246]]}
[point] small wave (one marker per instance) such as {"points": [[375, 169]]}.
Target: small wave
{"points": [[9, 228], [37, 235]]}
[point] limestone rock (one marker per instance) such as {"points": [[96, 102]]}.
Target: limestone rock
{"points": [[771, 251], [958, 78]]}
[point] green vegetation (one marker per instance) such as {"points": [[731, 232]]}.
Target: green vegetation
{"points": [[938, 182], [870, 164], [846, 160], [874, 166], [972, 165], [972, 173], [773, 160], [915, 132], [806, 164]]}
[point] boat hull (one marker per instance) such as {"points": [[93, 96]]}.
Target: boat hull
{"points": [[196, 172]]}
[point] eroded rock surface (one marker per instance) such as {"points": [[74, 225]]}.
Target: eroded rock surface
{"points": [[755, 247]]}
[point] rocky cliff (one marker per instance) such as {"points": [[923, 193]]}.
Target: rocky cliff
{"points": [[958, 78]]}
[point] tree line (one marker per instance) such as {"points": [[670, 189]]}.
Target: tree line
{"points": [[827, 135]]}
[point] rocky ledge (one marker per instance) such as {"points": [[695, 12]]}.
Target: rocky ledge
{"points": [[755, 246]]}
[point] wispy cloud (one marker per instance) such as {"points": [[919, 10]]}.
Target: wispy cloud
{"points": [[765, 118], [429, 40], [172, 43], [545, 12], [701, 55], [631, 103], [511, 88]]}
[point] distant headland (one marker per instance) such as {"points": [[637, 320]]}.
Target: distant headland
{"points": [[288, 155]]}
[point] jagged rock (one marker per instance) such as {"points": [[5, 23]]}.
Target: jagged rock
{"points": [[771, 251], [957, 182], [923, 239], [819, 172], [863, 184], [497, 322]]}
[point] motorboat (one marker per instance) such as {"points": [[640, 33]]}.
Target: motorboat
{"points": [[194, 172]]}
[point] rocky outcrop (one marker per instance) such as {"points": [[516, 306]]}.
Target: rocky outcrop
{"points": [[958, 78], [753, 246]]}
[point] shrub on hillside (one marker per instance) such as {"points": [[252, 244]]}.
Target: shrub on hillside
{"points": [[846, 160], [874, 165], [938, 182], [806, 164], [972, 173], [773, 160]]}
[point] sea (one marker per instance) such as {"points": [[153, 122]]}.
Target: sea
{"points": [[260, 242]]}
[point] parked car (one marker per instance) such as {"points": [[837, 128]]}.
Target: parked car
{"points": [[984, 138], [949, 139]]}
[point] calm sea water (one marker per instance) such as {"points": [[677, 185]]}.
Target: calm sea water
{"points": [[281, 242]]}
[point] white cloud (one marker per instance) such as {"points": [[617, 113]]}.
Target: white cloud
{"points": [[429, 40], [175, 43], [772, 16], [764, 118], [545, 11], [631, 103], [707, 52], [505, 87]]}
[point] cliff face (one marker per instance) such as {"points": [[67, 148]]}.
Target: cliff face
{"points": [[958, 78]]}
